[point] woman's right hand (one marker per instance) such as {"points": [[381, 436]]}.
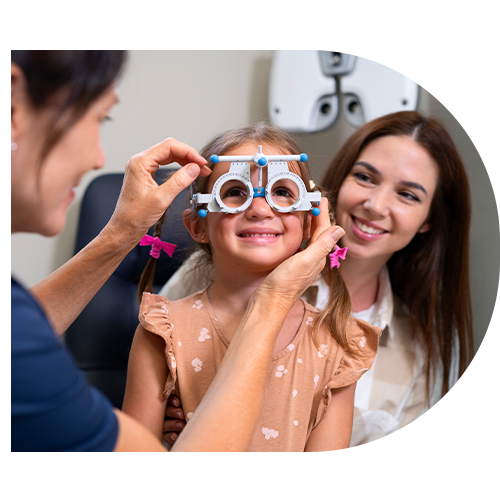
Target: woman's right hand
{"points": [[142, 201], [174, 420]]}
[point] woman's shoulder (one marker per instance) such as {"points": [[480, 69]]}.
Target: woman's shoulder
{"points": [[29, 324]]}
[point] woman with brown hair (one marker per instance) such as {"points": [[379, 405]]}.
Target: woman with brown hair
{"points": [[400, 191], [59, 100]]}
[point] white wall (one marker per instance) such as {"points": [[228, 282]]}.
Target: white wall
{"points": [[193, 95], [189, 95]]}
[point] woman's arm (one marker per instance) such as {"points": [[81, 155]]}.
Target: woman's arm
{"points": [[146, 376], [334, 431], [133, 436], [64, 293]]}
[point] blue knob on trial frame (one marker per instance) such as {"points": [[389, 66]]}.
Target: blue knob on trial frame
{"points": [[202, 213], [214, 159], [315, 211]]}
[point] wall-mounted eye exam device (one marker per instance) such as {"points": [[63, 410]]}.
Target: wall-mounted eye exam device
{"points": [[310, 89], [233, 192]]}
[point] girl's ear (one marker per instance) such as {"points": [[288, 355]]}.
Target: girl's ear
{"points": [[426, 226], [195, 225], [307, 227]]}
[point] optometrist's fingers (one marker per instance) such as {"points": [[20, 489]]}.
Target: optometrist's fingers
{"points": [[293, 276], [169, 151], [321, 222], [142, 202]]}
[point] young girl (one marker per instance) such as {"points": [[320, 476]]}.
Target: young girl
{"points": [[318, 357]]}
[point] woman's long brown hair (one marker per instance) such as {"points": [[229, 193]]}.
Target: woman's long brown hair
{"points": [[431, 274]]}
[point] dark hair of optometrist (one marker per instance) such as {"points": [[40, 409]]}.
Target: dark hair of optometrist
{"points": [[69, 81], [430, 274], [337, 313]]}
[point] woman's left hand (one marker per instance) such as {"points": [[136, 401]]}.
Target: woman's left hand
{"points": [[142, 202]]}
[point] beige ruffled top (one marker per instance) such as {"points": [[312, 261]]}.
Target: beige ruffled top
{"points": [[300, 379]]}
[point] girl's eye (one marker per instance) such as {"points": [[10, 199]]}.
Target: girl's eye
{"points": [[282, 192], [234, 192]]}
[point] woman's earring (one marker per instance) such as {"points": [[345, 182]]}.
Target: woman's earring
{"points": [[203, 239]]}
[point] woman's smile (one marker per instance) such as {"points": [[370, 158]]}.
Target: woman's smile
{"points": [[366, 230], [386, 198]]}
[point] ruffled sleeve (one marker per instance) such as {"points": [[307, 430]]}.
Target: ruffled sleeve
{"points": [[363, 341], [154, 317]]}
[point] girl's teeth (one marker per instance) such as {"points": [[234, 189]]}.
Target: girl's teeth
{"points": [[258, 235], [367, 229]]}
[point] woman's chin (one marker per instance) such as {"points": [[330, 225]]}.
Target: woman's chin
{"points": [[53, 226]]}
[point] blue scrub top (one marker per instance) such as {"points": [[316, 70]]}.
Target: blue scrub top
{"points": [[52, 406]]}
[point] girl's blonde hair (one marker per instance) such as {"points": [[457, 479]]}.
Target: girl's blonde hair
{"points": [[336, 315]]}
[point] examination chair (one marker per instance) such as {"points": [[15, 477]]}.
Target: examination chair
{"points": [[101, 336]]}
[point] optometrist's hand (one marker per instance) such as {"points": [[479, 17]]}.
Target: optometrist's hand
{"points": [[292, 277], [142, 202]]}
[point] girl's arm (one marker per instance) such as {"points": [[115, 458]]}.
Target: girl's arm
{"points": [[226, 418], [334, 431], [146, 376]]}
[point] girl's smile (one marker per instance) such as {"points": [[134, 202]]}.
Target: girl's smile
{"points": [[260, 236], [256, 240]]}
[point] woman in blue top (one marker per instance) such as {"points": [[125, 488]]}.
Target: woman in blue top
{"points": [[59, 99]]}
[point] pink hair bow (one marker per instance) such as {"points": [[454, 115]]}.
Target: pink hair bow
{"points": [[157, 245], [338, 253]]}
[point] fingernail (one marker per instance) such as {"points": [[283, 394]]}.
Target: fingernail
{"points": [[338, 233], [179, 425], [173, 437], [179, 414], [193, 170]]}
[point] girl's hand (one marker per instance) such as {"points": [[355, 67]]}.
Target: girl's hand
{"points": [[292, 277], [142, 202]]}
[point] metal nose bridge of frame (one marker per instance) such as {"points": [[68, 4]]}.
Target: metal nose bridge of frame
{"points": [[239, 175]]}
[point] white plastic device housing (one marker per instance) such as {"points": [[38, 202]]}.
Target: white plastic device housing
{"points": [[299, 86]]}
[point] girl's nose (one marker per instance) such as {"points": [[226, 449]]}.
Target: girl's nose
{"points": [[259, 208]]}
